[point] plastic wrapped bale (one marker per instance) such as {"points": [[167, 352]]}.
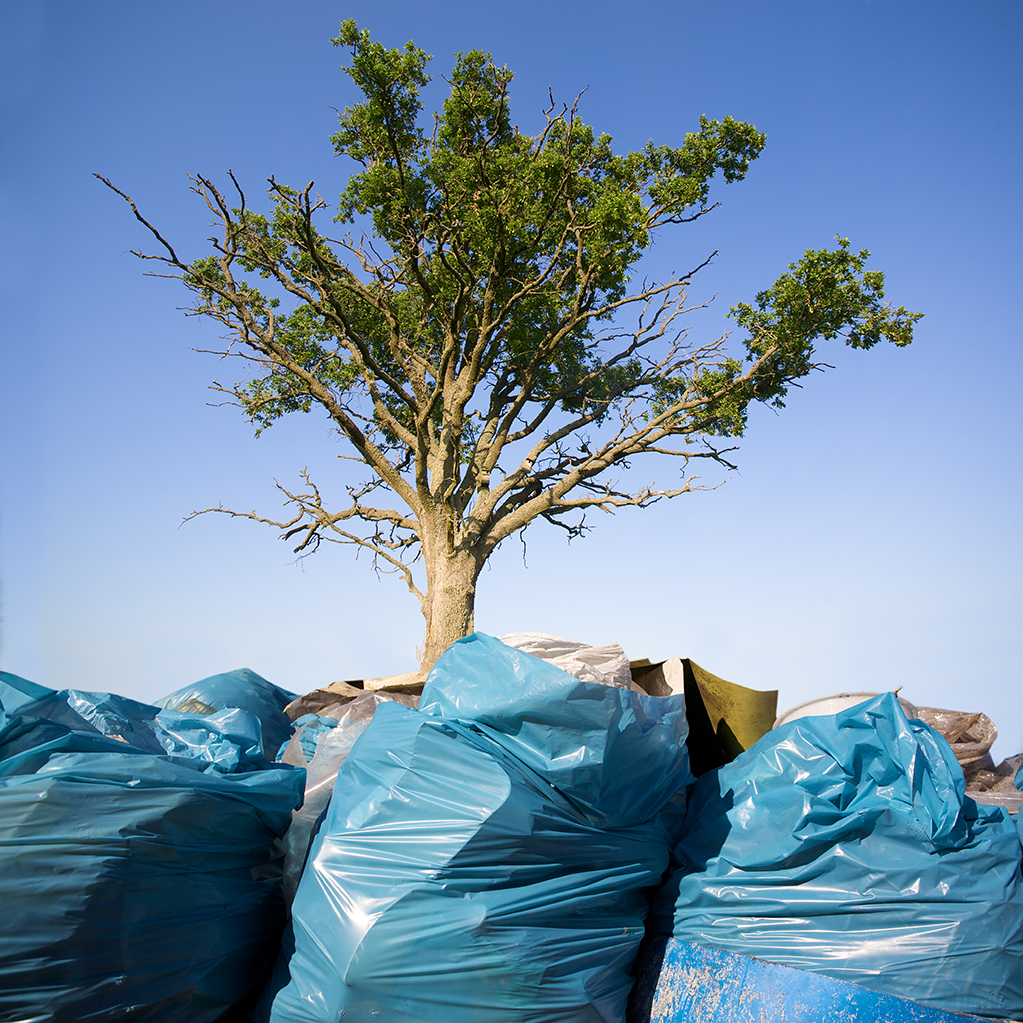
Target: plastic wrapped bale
{"points": [[845, 844], [489, 857], [241, 688], [140, 877], [320, 745]]}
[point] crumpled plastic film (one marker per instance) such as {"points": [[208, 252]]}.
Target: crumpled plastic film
{"points": [[242, 688], [140, 875], [321, 744], [1019, 816], [489, 857], [605, 665], [845, 844], [16, 691]]}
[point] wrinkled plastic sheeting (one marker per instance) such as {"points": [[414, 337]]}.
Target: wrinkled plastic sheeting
{"points": [[605, 665], [140, 871], [971, 735], [16, 691], [1019, 816], [321, 744], [488, 858], [226, 742], [845, 845], [242, 688]]}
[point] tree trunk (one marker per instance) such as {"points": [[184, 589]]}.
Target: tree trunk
{"points": [[450, 599]]}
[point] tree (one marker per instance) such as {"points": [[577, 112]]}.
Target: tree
{"points": [[472, 333]]}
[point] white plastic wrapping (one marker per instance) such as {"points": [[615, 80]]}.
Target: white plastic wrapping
{"points": [[604, 665]]}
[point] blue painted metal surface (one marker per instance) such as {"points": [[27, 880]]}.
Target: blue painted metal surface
{"points": [[682, 982]]}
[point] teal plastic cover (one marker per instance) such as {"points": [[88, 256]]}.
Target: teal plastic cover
{"points": [[245, 689], [15, 691], [139, 870], [489, 857], [845, 844]]}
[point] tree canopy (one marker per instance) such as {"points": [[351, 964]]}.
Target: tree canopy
{"points": [[472, 328]]}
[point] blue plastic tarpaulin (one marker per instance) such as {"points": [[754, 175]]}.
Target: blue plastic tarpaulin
{"points": [[845, 844], [320, 745], [1018, 782], [140, 874], [245, 689], [16, 691], [489, 857]]}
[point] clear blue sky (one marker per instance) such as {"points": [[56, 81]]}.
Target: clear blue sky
{"points": [[871, 536]]}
